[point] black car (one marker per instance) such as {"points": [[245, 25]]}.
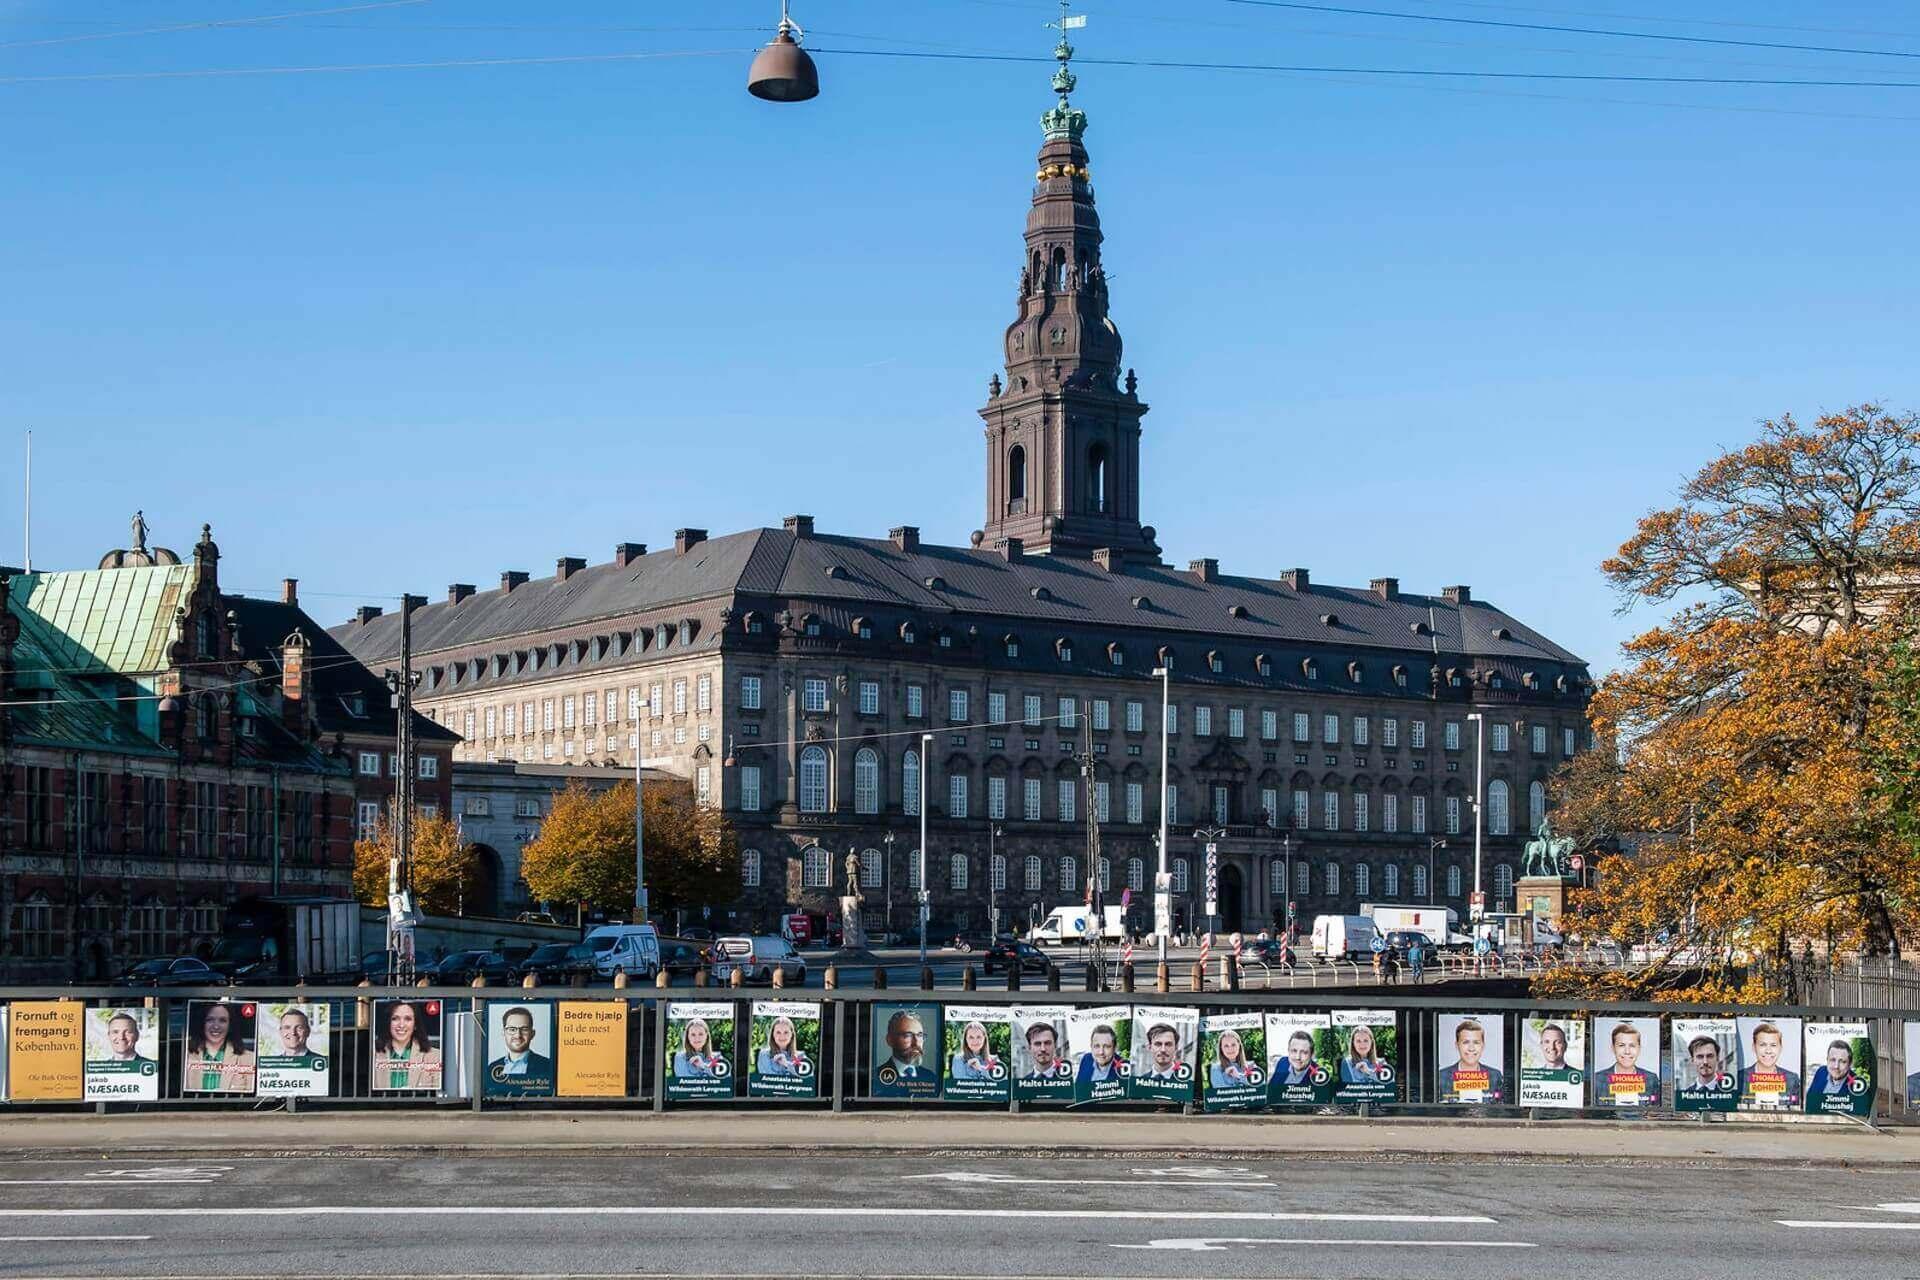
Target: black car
{"points": [[462, 967], [683, 957], [1267, 951], [179, 971], [1003, 955], [555, 962]]}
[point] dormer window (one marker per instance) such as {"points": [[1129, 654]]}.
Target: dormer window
{"points": [[1216, 662], [1356, 672], [1309, 668], [356, 705], [906, 633], [863, 628], [1455, 679], [810, 625], [1116, 654], [944, 640], [1531, 679], [1262, 665], [1063, 649], [755, 625], [1497, 681], [1400, 676], [1012, 643]]}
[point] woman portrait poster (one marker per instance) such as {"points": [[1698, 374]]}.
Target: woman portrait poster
{"points": [[1368, 1045], [699, 1049], [218, 1055], [1233, 1056], [406, 1046], [979, 1053], [783, 1048]]}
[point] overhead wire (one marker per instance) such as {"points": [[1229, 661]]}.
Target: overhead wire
{"points": [[1683, 22], [323, 665], [210, 23], [340, 68]]}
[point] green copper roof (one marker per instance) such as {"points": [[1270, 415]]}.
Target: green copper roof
{"points": [[102, 620]]}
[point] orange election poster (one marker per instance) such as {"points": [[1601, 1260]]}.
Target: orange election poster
{"points": [[45, 1041], [593, 1049]]}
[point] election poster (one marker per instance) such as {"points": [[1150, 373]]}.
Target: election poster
{"points": [[1098, 1040], [1770, 1073], [1041, 1068], [1627, 1053], [219, 1055], [979, 1053], [1553, 1061], [123, 1054], [784, 1049], [1706, 1055], [1368, 1046], [1165, 1049], [520, 1048], [293, 1045], [45, 1050], [592, 1049], [1912, 1037], [699, 1049], [1471, 1055], [1233, 1058], [407, 1046], [901, 1034], [1843, 1062], [1301, 1056]]}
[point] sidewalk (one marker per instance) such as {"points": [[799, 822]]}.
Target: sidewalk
{"points": [[720, 1133]]}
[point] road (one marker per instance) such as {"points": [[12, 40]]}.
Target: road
{"points": [[698, 1215]]}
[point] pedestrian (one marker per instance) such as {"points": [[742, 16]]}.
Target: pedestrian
{"points": [[1415, 958], [1379, 958]]}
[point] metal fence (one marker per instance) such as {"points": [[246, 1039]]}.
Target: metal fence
{"points": [[851, 1032]]}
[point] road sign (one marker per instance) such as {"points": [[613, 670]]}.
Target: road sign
{"points": [[1579, 863], [1213, 878]]}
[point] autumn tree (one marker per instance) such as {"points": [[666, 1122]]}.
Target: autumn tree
{"points": [[1740, 802], [442, 864], [584, 852]]}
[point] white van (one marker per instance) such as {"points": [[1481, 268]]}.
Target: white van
{"points": [[632, 949], [1343, 937]]}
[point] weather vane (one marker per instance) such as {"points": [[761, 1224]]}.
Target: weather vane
{"points": [[1064, 79]]}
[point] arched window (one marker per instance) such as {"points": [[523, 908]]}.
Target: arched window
{"points": [[1136, 874], [1033, 873], [1017, 477], [813, 780], [873, 869], [1332, 880], [1362, 880], [866, 781], [999, 872], [1060, 269], [816, 868], [1302, 878], [1277, 877], [1106, 874], [1503, 885], [1499, 811], [1179, 875], [910, 783], [1069, 875], [1536, 804], [957, 878], [1419, 881], [1097, 479], [1390, 880], [1453, 882], [750, 868]]}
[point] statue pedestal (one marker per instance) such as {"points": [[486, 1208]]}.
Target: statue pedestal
{"points": [[853, 932], [1542, 898]]}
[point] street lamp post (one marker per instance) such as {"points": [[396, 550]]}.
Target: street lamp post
{"points": [[1162, 890], [994, 832], [1432, 844], [886, 875], [1479, 772], [926, 763], [1286, 847]]}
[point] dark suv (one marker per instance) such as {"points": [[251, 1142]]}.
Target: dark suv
{"points": [[1002, 956]]}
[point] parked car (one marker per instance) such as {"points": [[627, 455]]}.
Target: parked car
{"points": [[1269, 951], [696, 933], [555, 962], [682, 957], [535, 917], [1002, 956], [461, 967], [974, 940], [179, 971], [758, 956], [632, 949]]}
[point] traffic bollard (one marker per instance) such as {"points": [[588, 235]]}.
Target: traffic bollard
{"points": [[1230, 971], [1126, 976], [926, 977], [1013, 974], [1162, 981], [1094, 979], [967, 982], [780, 976], [880, 978], [660, 979], [831, 979], [620, 979], [739, 976], [530, 981], [1053, 979], [1199, 976]]}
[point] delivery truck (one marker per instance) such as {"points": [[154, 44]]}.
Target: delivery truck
{"points": [[1439, 925], [1069, 926]]}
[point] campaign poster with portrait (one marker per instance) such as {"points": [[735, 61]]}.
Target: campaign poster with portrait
{"points": [[1553, 1061], [1770, 1074], [783, 1049], [1166, 1049], [699, 1049], [1042, 1068], [1842, 1063], [979, 1053], [1471, 1058], [902, 1034], [1098, 1040], [219, 1055], [520, 1047], [1911, 1036], [123, 1054], [407, 1055], [293, 1045], [1626, 1055], [1233, 1061], [46, 1050], [1367, 1055], [591, 1057], [1706, 1058], [1301, 1056]]}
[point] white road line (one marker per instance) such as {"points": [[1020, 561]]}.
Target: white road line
{"points": [[105, 1183], [1008, 1180], [1209, 1244], [1850, 1226], [66, 1239], [729, 1211]]}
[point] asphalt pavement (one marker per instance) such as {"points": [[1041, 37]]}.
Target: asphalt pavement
{"points": [[697, 1213]]}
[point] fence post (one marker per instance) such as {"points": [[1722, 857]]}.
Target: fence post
{"points": [[476, 1045], [1162, 979], [1095, 980], [1199, 977], [880, 978], [967, 981], [1126, 976], [840, 1054], [1053, 979], [658, 1056], [926, 977], [1013, 973], [830, 980]]}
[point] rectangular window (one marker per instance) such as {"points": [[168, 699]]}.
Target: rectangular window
{"points": [[1302, 809], [703, 785], [1330, 803], [1450, 735], [369, 823], [1539, 736], [916, 702], [1173, 803], [956, 706], [1419, 814], [1566, 742], [1361, 816], [1362, 732], [680, 696], [1417, 735], [1302, 727], [546, 715], [493, 722], [1102, 802], [1502, 737], [1389, 732], [1173, 717], [370, 763], [1030, 799], [1269, 725], [566, 712], [1453, 815], [1136, 801], [429, 767], [750, 868], [1221, 806], [1203, 722], [1390, 812], [813, 694], [1102, 715], [957, 795], [996, 708], [1136, 717], [703, 694], [656, 700], [1270, 806], [1236, 722], [466, 723], [508, 727], [589, 703], [749, 694], [1069, 713], [1030, 708], [613, 708], [1330, 730], [996, 798], [869, 697], [750, 787], [1067, 788]]}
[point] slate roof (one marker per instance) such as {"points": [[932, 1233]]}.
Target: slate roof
{"points": [[856, 575]]}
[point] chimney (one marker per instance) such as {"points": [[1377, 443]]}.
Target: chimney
{"points": [[799, 526], [290, 591], [458, 591], [1386, 588], [905, 537], [625, 553], [293, 683], [513, 578], [1207, 570], [1014, 550], [685, 540], [1295, 578], [366, 613], [1109, 559], [566, 566], [1458, 595], [409, 603]]}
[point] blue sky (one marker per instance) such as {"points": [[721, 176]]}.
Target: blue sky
{"points": [[390, 329]]}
